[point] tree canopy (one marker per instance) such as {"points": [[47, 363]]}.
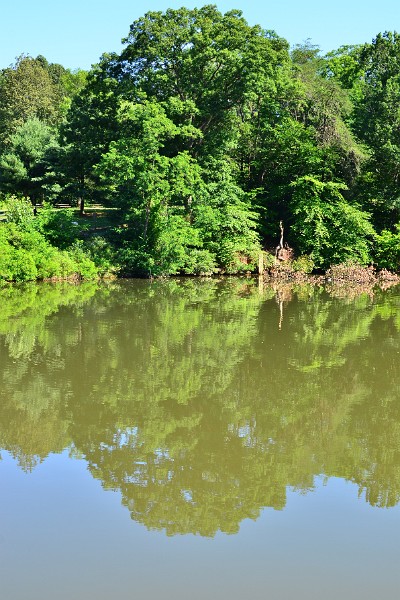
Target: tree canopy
{"points": [[204, 134]]}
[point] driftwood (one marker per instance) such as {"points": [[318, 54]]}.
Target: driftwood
{"points": [[283, 252]]}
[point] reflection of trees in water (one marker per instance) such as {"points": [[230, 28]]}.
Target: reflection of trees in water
{"points": [[32, 398], [338, 400], [189, 399]]}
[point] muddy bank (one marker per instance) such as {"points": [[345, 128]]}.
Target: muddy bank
{"points": [[340, 280]]}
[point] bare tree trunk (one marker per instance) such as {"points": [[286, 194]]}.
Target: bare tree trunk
{"points": [[81, 206], [81, 199], [280, 245]]}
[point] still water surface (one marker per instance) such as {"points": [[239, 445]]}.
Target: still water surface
{"points": [[199, 439]]}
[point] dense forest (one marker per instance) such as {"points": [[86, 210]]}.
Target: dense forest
{"points": [[186, 152]]}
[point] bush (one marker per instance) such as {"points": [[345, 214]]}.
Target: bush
{"points": [[387, 249], [19, 211], [238, 258], [84, 266], [329, 229], [16, 265], [303, 264], [135, 262], [25, 255], [58, 226], [199, 262], [269, 260], [102, 254]]}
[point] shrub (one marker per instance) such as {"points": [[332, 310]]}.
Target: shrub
{"points": [[58, 226], [329, 229], [16, 264], [25, 255], [102, 254], [199, 262], [237, 258], [135, 262], [303, 264], [387, 249], [19, 211], [84, 266]]}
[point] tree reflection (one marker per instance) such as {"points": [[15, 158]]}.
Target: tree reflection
{"points": [[189, 399]]}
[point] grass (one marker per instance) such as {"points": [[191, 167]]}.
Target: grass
{"points": [[97, 219]]}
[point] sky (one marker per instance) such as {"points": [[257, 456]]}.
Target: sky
{"points": [[76, 32]]}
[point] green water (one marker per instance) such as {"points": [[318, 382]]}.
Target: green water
{"points": [[198, 439]]}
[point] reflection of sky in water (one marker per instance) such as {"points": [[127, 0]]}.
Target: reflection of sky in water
{"points": [[62, 536]]}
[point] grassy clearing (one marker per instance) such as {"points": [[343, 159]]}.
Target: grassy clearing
{"points": [[96, 218]]}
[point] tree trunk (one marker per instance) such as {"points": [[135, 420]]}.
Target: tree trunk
{"points": [[81, 206]]}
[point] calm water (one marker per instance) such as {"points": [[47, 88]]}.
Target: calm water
{"points": [[199, 439]]}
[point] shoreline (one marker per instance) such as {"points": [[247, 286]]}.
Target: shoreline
{"points": [[345, 274], [337, 275]]}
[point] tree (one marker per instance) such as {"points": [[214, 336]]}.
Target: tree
{"points": [[377, 123], [23, 166], [182, 217], [328, 227], [89, 127], [207, 60], [178, 89], [297, 129], [27, 91], [68, 82]]}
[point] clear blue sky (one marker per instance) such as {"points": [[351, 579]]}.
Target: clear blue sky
{"points": [[76, 32]]}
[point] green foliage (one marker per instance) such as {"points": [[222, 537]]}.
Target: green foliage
{"points": [[89, 127], [103, 255], [303, 264], [269, 260], [27, 91], [187, 55], [204, 133], [226, 220], [376, 120], [26, 255], [23, 165], [85, 266], [16, 264], [329, 228], [172, 251], [345, 66], [387, 249], [182, 218], [58, 226], [200, 262], [19, 211]]}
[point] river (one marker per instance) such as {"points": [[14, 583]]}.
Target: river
{"points": [[199, 439]]}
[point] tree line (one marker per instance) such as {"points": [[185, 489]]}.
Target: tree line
{"points": [[203, 135]]}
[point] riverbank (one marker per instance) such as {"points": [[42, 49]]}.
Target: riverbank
{"points": [[340, 281], [350, 273]]}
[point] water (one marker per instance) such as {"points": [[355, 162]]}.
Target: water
{"points": [[201, 439]]}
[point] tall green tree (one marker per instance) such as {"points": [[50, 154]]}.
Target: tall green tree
{"points": [[27, 91], [327, 227], [89, 127], [207, 60], [377, 123], [181, 217], [24, 165], [296, 130]]}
